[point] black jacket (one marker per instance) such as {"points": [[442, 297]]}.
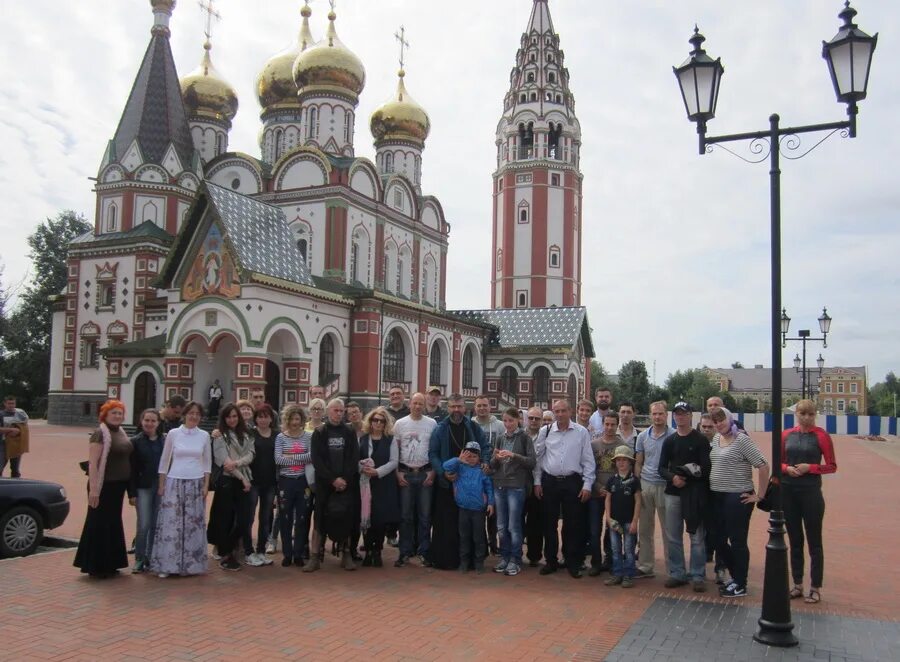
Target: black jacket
{"points": [[145, 460]]}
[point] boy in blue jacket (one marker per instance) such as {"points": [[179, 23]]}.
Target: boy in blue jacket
{"points": [[472, 491]]}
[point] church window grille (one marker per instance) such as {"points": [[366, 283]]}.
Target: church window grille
{"points": [[326, 359], [541, 384], [279, 143], [554, 257], [111, 220], [354, 262], [389, 162], [394, 364], [468, 368], [509, 379], [521, 299], [435, 367]]}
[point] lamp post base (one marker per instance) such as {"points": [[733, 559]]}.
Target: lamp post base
{"points": [[775, 625]]}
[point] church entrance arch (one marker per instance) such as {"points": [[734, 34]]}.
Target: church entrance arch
{"points": [[144, 395], [282, 350]]}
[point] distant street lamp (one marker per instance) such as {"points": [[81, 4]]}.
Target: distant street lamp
{"points": [[804, 337], [849, 57]]}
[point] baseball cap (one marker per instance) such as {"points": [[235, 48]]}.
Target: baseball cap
{"points": [[683, 406], [432, 389], [473, 446]]}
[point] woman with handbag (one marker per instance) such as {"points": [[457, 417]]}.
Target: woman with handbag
{"points": [[335, 455], [292, 454], [179, 544], [233, 451], [380, 500], [148, 448], [807, 453], [733, 455], [101, 549]]}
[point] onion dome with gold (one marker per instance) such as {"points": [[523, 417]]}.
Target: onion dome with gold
{"points": [[400, 118], [330, 67], [206, 94], [275, 84]]}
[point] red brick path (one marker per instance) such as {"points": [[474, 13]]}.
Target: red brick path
{"points": [[50, 611]]}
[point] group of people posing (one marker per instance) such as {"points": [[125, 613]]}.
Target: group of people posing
{"points": [[451, 487]]}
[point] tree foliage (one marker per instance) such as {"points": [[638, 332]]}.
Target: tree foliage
{"points": [[26, 338], [737, 365], [884, 395], [634, 385], [598, 374]]}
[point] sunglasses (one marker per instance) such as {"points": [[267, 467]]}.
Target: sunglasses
{"points": [[378, 420], [534, 418]]}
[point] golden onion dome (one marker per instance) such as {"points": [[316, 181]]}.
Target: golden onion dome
{"points": [[275, 83], [400, 117], [329, 66], [206, 94]]}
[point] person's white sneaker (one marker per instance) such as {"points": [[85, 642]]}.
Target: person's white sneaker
{"points": [[265, 559], [162, 575], [512, 569], [270, 547], [253, 560]]}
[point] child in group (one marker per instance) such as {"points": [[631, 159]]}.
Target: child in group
{"points": [[472, 491], [623, 507]]}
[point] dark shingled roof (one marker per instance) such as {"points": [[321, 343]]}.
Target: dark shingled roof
{"points": [[154, 113], [535, 327], [147, 229], [260, 236], [149, 346]]}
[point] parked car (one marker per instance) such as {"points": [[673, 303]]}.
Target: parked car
{"points": [[27, 508]]}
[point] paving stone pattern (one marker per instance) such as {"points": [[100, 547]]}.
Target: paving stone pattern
{"points": [[673, 629]]}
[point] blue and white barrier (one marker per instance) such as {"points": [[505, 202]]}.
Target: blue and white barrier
{"points": [[833, 424]]}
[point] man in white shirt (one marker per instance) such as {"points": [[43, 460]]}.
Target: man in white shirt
{"points": [[415, 475], [603, 398], [563, 478]]}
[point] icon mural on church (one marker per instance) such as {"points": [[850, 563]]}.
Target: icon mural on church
{"points": [[213, 271]]}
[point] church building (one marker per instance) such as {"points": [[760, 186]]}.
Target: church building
{"points": [[307, 264]]}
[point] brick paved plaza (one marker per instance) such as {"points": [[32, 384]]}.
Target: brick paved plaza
{"points": [[51, 612]]}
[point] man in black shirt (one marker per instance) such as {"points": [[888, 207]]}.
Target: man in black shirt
{"points": [[684, 465], [397, 407]]}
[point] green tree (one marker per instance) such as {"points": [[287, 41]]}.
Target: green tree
{"points": [[883, 396], [27, 337], [702, 388], [634, 385], [598, 374], [749, 405], [679, 383], [737, 364]]}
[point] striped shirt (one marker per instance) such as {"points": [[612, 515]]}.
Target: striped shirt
{"points": [[292, 454], [732, 465]]}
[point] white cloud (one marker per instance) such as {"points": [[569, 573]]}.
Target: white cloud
{"points": [[676, 252]]}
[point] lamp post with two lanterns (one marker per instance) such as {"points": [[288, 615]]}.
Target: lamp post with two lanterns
{"points": [[804, 337], [849, 57]]}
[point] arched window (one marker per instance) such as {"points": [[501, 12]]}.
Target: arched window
{"points": [[354, 262], [220, 143], [523, 98], [554, 257], [393, 366], [551, 77], [499, 259], [150, 212], [389, 162], [111, 218], [509, 379], [530, 77], [531, 58], [312, 126], [303, 247], [541, 378], [572, 389], [386, 276], [347, 124], [326, 359], [468, 368], [279, 143], [434, 369]]}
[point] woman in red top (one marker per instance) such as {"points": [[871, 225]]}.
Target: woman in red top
{"points": [[807, 452]]}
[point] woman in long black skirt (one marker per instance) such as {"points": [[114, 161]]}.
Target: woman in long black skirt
{"points": [[101, 549]]}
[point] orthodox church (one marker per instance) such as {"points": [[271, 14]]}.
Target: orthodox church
{"points": [[307, 264]]}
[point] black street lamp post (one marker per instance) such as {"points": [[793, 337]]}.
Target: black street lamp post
{"points": [[804, 337], [849, 57]]}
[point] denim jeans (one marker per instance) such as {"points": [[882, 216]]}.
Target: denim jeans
{"points": [[510, 502], [415, 503], [596, 528], [623, 544], [675, 543], [147, 508], [265, 497], [293, 502]]}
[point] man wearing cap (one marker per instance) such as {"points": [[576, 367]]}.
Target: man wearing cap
{"points": [[433, 407], [684, 464], [534, 527], [415, 475], [563, 478], [648, 447]]}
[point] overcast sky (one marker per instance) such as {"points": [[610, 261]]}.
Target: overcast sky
{"points": [[676, 249]]}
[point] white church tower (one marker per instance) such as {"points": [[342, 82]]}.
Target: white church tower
{"points": [[537, 184]]}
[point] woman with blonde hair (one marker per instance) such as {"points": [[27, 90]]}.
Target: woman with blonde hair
{"points": [[101, 549], [380, 498], [807, 453], [179, 546]]}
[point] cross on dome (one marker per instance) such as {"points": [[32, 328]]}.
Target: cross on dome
{"points": [[207, 8], [404, 44]]}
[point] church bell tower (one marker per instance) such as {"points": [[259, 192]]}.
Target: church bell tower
{"points": [[537, 184]]}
